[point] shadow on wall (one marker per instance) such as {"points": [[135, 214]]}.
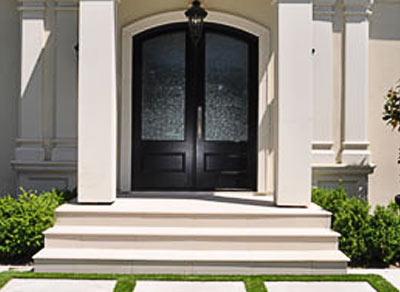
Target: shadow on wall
{"points": [[9, 90], [384, 21]]}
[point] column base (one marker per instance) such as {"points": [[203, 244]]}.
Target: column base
{"points": [[322, 153], [356, 153], [45, 175], [353, 178]]}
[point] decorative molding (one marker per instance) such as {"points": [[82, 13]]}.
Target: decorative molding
{"points": [[32, 1], [353, 178], [362, 145], [41, 166], [31, 9], [66, 5], [324, 7], [274, 2], [28, 141], [32, 5], [41, 141], [42, 5], [65, 141], [322, 145], [342, 168], [392, 2], [357, 8]]}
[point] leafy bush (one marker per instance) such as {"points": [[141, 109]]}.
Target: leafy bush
{"points": [[384, 236], [391, 108], [23, 220], [368, 240], [350, 218]]}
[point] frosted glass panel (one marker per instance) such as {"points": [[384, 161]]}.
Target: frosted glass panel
{"points": [[163, 88], [226, 90]]}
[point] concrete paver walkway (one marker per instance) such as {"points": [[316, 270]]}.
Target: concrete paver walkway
{"points": [[318, 287], [173, 286], [391, 275], [50, 285], [59, 285]]}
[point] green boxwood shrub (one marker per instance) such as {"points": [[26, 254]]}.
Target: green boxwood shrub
{"points": [[23, 220], [367, 239], [384, 236]]}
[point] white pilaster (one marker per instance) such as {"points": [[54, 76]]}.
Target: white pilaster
{"points": [[323, 12], [66, 80], [34, 155], [356, 36], [97, 102], [33, 42], [294, 138]]}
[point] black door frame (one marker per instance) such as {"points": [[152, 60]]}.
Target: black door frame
{"points": [[193, 88]]}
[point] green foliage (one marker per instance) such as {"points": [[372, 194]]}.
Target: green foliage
{"points": [[391, 113], [23, 220], [350, 218], [384, 236], [368, 240]]}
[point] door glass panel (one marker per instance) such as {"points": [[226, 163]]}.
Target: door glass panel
{"points": [[226, 89], [163, 88]]}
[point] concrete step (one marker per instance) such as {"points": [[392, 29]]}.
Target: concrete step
{"points": [[82, 260], [194, 220], [201, 212], [185, 238]]}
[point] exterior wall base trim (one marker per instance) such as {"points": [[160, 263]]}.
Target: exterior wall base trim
{"points": [[45, 175], [353, 178]]}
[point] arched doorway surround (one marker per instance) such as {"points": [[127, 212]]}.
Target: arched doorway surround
{"points": [[264, 89]]}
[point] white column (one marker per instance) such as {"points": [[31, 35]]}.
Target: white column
{"points": [[293, 164], [97, 102], [31, 103], [322, 153], [356, 37]]}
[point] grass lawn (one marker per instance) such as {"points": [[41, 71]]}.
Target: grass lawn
{"points": [[126, 283]]}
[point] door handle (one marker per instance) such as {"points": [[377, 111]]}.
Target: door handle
{"points": [[199, 122]]}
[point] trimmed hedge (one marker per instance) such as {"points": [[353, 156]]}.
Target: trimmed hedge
{"points": [[367, 239], [23, 220]]}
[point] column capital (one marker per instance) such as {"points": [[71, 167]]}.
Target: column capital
{"points": [[291, 1], [66, 5], [356, 9], [32, 5], [357, 3], [324, 9], [324, 2]]}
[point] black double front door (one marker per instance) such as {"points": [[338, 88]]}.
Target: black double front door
{"points": [[194, 109]]}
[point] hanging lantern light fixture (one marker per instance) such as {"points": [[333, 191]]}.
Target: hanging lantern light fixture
{"points": [[196, 15]]}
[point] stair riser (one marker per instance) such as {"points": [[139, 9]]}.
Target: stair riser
{"points": [[199, 221], [193, 243], [188, 268]]}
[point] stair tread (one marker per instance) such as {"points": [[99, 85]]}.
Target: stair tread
{"points": [[188, 231], [190, 255], [216, 205]]}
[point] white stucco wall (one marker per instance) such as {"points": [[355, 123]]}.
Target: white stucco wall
{"points": [[384, 71], [9, 90]]}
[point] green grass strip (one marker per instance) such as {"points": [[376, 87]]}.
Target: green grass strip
{"points": [[253, 283], [125, 284], [4, 278]]}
